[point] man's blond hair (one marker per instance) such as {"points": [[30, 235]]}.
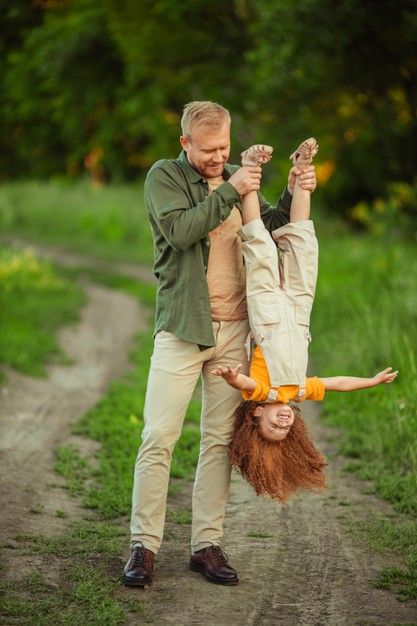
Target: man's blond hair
{"points": [[203, 113]]}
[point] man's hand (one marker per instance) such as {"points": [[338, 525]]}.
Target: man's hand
{"points": [[246, 179], [385, 377], [307, 178]]}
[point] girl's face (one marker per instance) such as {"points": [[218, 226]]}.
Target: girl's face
{"points": [[275, 420]]}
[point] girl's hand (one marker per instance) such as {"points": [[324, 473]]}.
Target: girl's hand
{"points": [[230, 374], [385, 377]]}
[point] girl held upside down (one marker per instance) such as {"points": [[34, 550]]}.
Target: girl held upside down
{"points": [[271, 446]]}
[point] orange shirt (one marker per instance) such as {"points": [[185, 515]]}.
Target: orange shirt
{"points": [[286, 393]]}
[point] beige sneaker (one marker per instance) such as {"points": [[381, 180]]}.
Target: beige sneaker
{"points": [[305, 153], [257, 155]]}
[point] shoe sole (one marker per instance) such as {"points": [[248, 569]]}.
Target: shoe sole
{"points": [[131, 583], [211, 579]]}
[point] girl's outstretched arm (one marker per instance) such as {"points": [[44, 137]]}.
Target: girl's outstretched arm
{"points": [[351, 383], [238, 381]]}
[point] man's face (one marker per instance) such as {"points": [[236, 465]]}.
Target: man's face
{"points": [[275, 420], [208, 149]]}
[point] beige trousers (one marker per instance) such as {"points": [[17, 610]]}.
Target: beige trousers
{"points": [[175, 368], [280, 295]]}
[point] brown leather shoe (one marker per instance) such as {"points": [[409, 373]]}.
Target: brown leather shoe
{"points": [[212, 563], [138, 570]]}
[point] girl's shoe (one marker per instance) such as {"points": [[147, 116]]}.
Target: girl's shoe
{"points": [[305, 153], [257, 155]]}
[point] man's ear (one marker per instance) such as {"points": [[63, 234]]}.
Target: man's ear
{"points": [[258, 411], [185, 142]]}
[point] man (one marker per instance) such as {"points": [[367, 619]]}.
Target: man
{"points": [[193, 204]]}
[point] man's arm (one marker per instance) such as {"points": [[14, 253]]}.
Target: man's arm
{"points": [[169, 205], [183, 225], [352, 383]]}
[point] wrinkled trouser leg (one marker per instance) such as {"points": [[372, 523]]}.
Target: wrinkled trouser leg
{"points": [[219, 404], [175, 368]]}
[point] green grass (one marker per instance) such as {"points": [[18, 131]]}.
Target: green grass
{"points": [[88, 587], [397, 537], [259, 534], [180, 516], [88, 600], [74, 467], [107, 221], [365, 319], [35, 301]]}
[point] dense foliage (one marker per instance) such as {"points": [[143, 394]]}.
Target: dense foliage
{"points": [[99, 87]]}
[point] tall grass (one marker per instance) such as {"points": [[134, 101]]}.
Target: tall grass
{"points": [[108, 222], [365, 319], [35, 300]]}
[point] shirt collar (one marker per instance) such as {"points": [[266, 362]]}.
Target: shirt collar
{"points": [[194, 176]]}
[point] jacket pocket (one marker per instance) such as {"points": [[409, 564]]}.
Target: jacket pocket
{"points": [[303, 307], [264, 314], [265, 309]]}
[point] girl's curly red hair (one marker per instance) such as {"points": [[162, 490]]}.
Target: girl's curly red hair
{"points": [[275, 469]]}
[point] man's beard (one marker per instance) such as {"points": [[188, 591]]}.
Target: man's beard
{"points": [[209, 171]]}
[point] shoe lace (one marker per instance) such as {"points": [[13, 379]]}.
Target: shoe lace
{"points": [[139, 556], [219, 556]]}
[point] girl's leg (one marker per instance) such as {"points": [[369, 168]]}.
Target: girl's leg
{"points": [[300, 204], [298, 254], [255, 155], [302, 157], [250, 207], [261, 259]]}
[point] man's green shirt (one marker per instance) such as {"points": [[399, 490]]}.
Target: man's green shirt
{"points": [[182, 213]]}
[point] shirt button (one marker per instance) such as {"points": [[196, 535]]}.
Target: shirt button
{"points": [[207, 243]]}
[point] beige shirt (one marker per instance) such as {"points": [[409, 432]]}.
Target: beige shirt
{"points": [[226, 277]]}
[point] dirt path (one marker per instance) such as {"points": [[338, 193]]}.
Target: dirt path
{"points": [[36, 414], [307, 569]]}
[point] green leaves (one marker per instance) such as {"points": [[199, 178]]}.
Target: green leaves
{"points": [[97, 88]]}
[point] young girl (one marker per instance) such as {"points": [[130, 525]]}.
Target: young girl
{"points": [[271, 446]]}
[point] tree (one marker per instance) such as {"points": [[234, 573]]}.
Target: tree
{"points": [[345, 72]]}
